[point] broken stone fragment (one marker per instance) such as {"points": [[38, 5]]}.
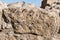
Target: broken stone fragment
{"points": [[20, 21], [27, 22]]}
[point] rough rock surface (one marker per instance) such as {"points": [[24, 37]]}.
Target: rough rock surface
{"points": [[20, 21], [53, 7]]}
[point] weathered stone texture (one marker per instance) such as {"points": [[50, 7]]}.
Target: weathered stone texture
{"points": [[20, 21]]}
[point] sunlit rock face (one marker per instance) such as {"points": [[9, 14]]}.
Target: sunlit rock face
{"points": [[54, 7], [21, 21], [51, 1]]}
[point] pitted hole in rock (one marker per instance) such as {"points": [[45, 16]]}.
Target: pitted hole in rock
{"points": [[59, 14], [24, 10], [21, 39], [30, 28], [57, 8], [59, 31], [58, 3], [50, 8], [1, 28]]}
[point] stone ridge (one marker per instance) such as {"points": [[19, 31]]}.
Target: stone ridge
{"points": [[20, 21]]}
